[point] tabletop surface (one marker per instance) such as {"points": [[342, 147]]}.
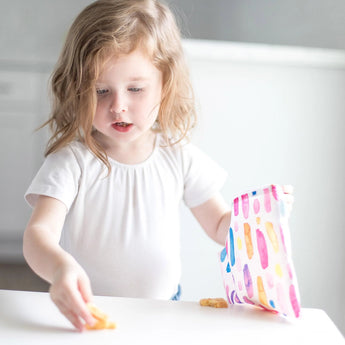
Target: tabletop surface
{"points": [[31, 318]]}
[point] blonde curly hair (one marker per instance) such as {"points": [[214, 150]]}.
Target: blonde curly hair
{"points": [[108, 28]]}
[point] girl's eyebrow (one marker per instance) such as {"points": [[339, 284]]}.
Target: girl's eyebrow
{"points": [[138, 78], [131, 79]]}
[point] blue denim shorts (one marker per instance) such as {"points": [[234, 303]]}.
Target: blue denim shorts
{"points": [[177, 296]]}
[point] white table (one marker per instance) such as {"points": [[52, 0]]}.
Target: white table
{"points": [[31, 318]]}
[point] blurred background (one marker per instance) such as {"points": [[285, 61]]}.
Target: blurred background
{"points": [[269, 78]]}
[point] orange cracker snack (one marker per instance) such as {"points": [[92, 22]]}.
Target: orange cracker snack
{"points": [[102, 319], [214, 302]]}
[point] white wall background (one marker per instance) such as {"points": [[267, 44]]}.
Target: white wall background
{"points": [[307, 23], [275, 115]]}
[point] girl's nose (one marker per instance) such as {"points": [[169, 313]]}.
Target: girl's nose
{"points": [[119, 105]]}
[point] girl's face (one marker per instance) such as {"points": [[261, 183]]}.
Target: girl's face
{"points": [[128, 98]]}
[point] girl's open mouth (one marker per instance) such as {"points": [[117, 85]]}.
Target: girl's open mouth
{"points": [[122, 126]]}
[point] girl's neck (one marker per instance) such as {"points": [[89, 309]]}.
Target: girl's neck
{"points": [[130, 153]]}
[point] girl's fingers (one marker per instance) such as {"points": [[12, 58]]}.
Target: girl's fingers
{"points": [[85, 289], [287, 189], [72, 305], [78, 305], [289, 199], [73, 318], [85, 314]]}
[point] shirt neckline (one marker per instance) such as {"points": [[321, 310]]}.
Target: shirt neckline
{"points": [[113, 161]]}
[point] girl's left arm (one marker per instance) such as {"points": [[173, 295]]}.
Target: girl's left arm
{"points": [[214, 217]]}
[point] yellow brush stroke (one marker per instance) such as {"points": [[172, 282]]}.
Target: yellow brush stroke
{"points": [[248, 240], [261, 291], [279, 270], [272, 236], [239, 243]]}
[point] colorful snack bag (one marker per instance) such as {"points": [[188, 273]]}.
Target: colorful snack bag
{"points": [[256, 262]]}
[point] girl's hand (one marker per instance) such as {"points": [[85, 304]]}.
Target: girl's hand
{"points": [[70, 291], [288, 198]]}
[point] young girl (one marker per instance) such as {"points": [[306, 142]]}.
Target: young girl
{"points": [[106, 200]]}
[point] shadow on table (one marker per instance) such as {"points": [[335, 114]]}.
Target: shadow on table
{"points": [[17, 318]]}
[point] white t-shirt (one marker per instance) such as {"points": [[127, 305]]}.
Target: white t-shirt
{"points": [[124, 228]]}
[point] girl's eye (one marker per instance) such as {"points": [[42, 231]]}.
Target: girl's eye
{"points": [[101, 91], [135, 89]]}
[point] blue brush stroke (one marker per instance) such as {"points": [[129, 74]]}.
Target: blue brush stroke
{"points": [[228, 269], [232, 248], [223, 254]]}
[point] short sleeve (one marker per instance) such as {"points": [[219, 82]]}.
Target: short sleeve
{"points": [[58, 178], [203, 177]]}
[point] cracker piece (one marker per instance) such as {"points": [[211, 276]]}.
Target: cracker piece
{"points": [[214, 302], [102, 321]]}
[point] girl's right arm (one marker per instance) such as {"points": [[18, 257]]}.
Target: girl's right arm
{"points": [[70, 287]]}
